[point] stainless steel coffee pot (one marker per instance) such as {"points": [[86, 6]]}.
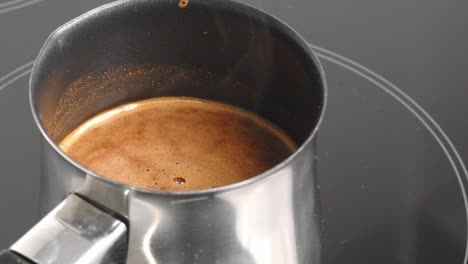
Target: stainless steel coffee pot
{"points": [[218, 50]]}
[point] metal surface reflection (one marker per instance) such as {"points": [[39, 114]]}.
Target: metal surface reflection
{"points": [[263, 66], [75, 232], [265, 219]]}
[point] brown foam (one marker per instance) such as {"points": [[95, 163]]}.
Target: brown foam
{"points": [[178, 143]]}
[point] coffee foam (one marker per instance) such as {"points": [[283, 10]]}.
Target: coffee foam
{"points": [[178, 143]]}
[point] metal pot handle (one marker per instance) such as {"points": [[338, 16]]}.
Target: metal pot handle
{"points": [[75, 231]]}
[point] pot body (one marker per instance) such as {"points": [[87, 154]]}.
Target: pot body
{"points": [[270, 221], [218, 50]]}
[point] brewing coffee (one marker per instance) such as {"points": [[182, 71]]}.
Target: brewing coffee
{"points": [[178, 143]]}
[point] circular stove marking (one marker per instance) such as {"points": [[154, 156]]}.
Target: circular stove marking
{"points": [[16, 4], [15, 75], [409, 103]]}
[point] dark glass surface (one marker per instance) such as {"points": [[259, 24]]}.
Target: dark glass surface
{"points": [[390, 178]]}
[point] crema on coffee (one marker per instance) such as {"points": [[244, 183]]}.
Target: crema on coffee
{"points": [[177, 144]]}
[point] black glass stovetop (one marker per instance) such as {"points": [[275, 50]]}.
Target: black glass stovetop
{"points": [[392, 182]]}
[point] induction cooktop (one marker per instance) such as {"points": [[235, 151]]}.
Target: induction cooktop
{"points": [[392, 181]]}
